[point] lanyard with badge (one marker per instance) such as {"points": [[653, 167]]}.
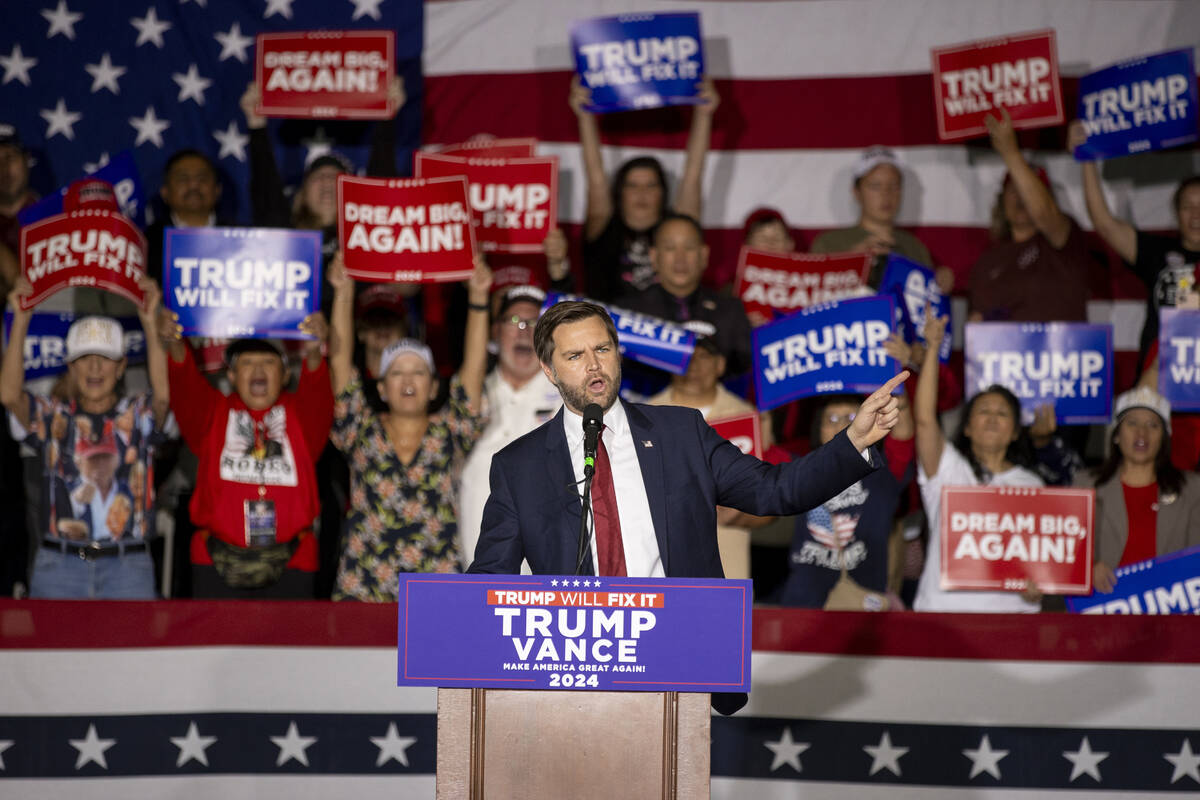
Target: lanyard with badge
{"points": [[259, 514]]}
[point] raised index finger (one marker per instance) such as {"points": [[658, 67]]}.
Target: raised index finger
{"points": [[884, 392]]}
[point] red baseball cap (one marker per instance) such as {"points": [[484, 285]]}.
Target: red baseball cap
{"points": [[90, 193]]}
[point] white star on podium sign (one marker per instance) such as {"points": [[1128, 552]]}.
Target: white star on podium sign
{"points": [[554, 582], [1084, 761], [62, 20], [150, 28], [985, 759], [91, 748], [233, 44], [105, 74], [192, 746], [884, 755], [4, 745], [293, 745], [392, 745], [17, 66], [786, 750], [1187, 763]]}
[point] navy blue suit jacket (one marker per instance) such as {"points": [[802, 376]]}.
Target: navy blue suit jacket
{"points": [[688, 470]]}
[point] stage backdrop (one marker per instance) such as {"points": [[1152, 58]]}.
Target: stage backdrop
{"points": [[296, 700]]}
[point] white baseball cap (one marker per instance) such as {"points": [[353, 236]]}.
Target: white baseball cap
{"points": [[99, 336], [1147, 398], [403, 347], [872, 157]]}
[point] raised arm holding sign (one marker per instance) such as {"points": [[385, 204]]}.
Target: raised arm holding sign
{"points": [[990, 449], [325, 74], [620, 215]]}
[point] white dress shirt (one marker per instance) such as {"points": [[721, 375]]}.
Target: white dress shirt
{"points": [[642, 558]]}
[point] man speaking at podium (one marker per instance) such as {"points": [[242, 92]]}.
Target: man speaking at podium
{"points": [[655, 474]]}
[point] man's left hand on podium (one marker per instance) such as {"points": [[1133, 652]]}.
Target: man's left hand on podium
{"points": [[877, 415]]}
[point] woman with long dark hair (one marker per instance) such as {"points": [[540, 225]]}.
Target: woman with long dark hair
{"points": [[1145, 506], [990, 449]]}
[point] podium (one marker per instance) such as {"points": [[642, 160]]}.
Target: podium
{"points": [[500, 743], [573, 687]]}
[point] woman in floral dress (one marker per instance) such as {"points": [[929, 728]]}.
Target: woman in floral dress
{"points": [[404, 462]]}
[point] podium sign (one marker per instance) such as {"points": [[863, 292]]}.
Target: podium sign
{"points": [[584, 632]]}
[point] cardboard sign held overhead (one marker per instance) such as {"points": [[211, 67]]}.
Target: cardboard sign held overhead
{"points": [[93, 248], [242, 282], [771, 284], [406, 230], [514, 201], [975, 79], [492, 148], [639, 60], [325, 74]]}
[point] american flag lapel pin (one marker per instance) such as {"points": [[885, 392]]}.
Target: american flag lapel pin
{"points": [[647, 443]]}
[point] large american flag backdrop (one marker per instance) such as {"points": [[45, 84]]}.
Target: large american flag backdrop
{"points": [[297, 700]]}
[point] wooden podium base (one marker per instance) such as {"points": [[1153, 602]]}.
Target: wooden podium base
{"points": [[535, 745]]}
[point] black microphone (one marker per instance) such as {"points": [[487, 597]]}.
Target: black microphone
{"points": [[593, 422]]}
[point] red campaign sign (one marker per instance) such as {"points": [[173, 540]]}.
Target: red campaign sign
{"points": [[744, 431], [406, 230], [492, 148], [95, 248], [996, 537], [787, 282], [514, 201], [325, 74], [1018, 72]]}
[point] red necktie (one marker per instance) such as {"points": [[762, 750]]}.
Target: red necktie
{"points": [[604, 512]]}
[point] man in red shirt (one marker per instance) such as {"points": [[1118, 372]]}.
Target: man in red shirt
{"points": [[256, 489]]}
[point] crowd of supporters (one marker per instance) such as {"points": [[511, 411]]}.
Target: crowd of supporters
{"points": [[328, 471]]}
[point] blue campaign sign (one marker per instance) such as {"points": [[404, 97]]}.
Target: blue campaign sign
{"points": [[1146, 103], [582, 632], [913, 286], [46, 341], [121, 172], [1168, 584], [1068, 365], [647, 340], [826, 349], [1179, 358], [242, 282], [639, 60]]}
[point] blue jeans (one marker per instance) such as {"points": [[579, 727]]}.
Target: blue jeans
{"points": [[67, 576]]}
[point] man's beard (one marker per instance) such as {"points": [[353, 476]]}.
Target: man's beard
{"points": [[577, 397]]}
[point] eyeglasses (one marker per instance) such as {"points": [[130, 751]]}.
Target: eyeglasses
{"points": [[837, 419], [520, 322]]}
